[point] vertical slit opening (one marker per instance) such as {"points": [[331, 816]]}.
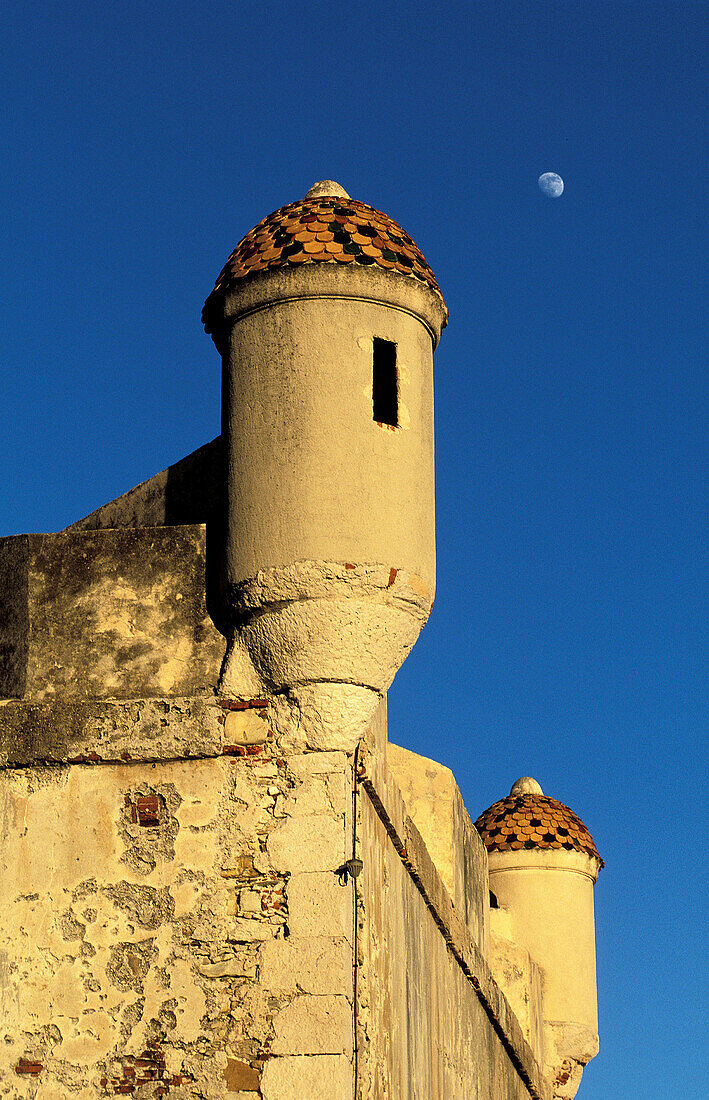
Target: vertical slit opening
{"points": [[385, 383]]}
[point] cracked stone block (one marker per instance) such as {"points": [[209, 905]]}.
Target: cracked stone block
{"points": [[312, 798], [313, 965], [250, 901], [315, 843], [319, 906], [264, 771], [241, 1078], [228, 968], [314, 1025], [324, 1077]]}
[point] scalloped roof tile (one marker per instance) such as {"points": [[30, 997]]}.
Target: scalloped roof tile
{"points": [[534, 821], [323, 229]]}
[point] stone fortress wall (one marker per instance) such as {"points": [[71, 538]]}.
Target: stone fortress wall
{"points": [[172, 919], [217, 877]]}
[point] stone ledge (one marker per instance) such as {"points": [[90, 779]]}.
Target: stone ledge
{"points": [[95, 731]]}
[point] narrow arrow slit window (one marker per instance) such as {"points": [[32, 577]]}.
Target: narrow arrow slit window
{"points": [[385, 383]]}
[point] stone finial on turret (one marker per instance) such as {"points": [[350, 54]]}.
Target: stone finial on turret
{"points": [[326, 188]]}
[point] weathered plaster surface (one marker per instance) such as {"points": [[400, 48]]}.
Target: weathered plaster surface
{"points": [[169, 928], [176, 926]]}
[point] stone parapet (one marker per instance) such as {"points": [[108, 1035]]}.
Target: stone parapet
{"points": [[190, 491], [470, 979], [99, 731], [435, 804], [106, 614]]}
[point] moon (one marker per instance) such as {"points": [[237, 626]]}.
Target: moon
{"points": [[551, 184]]}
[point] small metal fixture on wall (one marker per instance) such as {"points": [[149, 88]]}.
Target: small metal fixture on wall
{"points": [[351, 867]]}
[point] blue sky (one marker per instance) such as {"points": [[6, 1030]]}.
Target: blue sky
{"points": [[568, 641]]}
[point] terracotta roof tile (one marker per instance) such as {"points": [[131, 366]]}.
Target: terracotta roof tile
{"points": [[307, 232], [534, 821]]}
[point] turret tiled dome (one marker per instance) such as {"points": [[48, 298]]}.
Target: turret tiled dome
{"points": [[322, 228], [526, 820]]}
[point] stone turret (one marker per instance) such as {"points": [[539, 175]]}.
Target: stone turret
{"points": [[326, 316], [543, 864]]}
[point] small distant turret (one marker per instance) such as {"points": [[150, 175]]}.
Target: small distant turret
{"points": [[543, 864], [326, 316]]}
